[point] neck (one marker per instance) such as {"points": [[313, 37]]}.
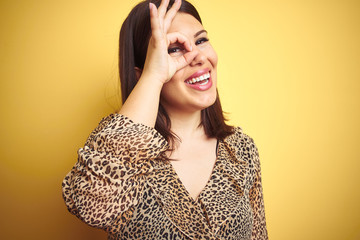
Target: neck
{"points": [[186, 125]]}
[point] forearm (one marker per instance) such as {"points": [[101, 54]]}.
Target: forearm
{"points": [[142, 104]]}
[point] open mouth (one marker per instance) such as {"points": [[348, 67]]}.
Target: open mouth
{"points": [[201, 80]]}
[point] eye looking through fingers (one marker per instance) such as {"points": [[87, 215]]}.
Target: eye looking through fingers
{"points": [[176, 49]]}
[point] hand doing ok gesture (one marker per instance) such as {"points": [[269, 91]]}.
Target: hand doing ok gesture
{"points": [[159, 64], [142, 104]]}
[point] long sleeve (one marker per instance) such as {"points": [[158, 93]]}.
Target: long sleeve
{"points": [[256, 199], [111, 170]]}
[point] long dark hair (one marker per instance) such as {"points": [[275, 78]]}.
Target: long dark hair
{"points": [[134, 38]]}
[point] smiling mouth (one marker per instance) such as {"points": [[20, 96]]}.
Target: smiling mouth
{"points": [[201, 80]]}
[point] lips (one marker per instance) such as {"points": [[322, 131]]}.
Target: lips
{"points": [[201, 80]]}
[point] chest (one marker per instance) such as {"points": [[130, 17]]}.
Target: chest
{"points": [[194, 164], [166, 211]]}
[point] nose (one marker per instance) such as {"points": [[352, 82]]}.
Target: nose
{"points": [[200, 57]]}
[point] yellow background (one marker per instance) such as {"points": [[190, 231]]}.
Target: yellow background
{"points": [[289, 74]]}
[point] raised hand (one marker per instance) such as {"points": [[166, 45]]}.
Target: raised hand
{"points": [[159, 65], [142, 104]]}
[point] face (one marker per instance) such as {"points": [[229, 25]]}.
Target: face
{"points": [[193, 87]]}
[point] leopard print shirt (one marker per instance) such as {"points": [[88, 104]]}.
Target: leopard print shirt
{"points": [[122, 183]]}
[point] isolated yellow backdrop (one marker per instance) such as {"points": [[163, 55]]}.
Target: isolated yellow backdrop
{"points": [[289, 74]]}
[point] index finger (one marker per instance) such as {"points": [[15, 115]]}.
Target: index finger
{"points": [[180, 38]]}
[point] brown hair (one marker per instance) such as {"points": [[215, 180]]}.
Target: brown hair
{"points": [[134, 38]]}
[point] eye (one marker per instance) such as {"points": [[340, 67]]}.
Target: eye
{"points": [[175, 49], [201, 40]]}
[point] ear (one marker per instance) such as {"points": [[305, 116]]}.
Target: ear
{"points": [[138, 73]]}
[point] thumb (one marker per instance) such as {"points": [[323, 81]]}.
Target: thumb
{"points": [[185, 59]]}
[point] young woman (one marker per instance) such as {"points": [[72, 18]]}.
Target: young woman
{"points": [[167, 166]]}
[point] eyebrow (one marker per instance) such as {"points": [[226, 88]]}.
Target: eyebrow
{"points": [[199, 32]]}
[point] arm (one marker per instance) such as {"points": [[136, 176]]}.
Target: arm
{"points": [[142, 104], [111, 170], [256, 199], [112, 167]]}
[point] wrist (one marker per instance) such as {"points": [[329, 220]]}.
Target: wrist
{"points": [[152, 80]]}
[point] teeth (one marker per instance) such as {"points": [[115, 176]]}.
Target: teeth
{"points": [[205, 82], [198, 79]]}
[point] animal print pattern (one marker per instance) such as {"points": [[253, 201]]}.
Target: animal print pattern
{"points": [[123, 184]]}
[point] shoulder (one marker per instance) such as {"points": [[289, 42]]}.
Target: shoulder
{"points": [[239, 138], [117, 129], [242, 145]]}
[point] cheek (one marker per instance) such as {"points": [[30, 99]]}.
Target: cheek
{"points": [[212, 56], [167, 90], [213, 59], [170, 89]]}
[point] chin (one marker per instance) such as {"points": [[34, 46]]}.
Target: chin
{"points": [[205, 103]]}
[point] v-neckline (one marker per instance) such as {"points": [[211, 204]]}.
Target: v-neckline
{"points": [[187, 193]]}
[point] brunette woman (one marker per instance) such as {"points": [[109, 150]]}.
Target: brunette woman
{"points": [[167, 166]]}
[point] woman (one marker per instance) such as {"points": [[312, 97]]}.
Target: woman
{"points": [[167, 166]]}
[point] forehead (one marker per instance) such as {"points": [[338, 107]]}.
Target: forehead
{"points": [[185, 24]]}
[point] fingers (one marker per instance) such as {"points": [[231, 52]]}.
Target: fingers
{"points": [[180, 38], [185, 59], [154, 20], [171, 14], [162, 8], [165, 17], [188, 56]]}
